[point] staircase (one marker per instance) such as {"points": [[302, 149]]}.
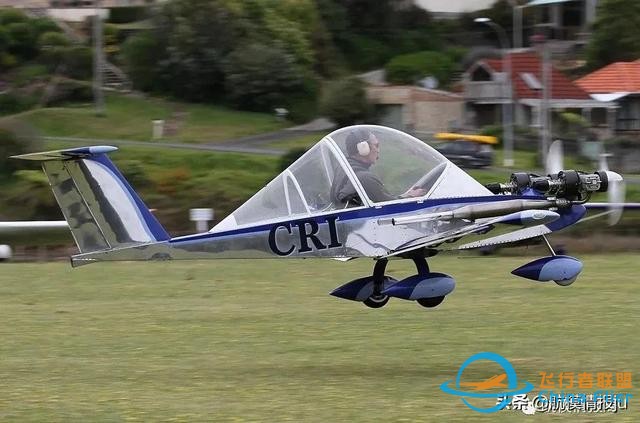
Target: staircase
{"points": [[113, 78]]}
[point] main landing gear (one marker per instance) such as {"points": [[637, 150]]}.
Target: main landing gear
{"points": [[426, 288]]}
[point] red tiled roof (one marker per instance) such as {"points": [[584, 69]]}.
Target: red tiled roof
{"points": [[529, 62], [616, 77]]}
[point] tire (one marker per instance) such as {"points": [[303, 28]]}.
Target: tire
{"points": [[376, 302], [430, 302]]}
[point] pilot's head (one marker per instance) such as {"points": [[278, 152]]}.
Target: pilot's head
{"points": [[363, 145]]}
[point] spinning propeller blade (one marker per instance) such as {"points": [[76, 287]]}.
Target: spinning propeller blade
{"points": [[615, 192], [555, 158]]}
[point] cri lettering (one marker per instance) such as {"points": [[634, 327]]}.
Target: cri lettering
{"points": [[307, 231]]}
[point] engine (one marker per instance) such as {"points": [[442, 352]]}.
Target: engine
{"points": [[571, 185]]}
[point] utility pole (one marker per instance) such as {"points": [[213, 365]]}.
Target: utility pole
{"points": [[98, 61], [547, 95], [507, 96]]}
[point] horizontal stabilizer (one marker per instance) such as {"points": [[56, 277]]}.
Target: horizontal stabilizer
{"points": [[70, 153]]}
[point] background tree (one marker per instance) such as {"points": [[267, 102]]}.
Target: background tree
{"points": [[194, 36], [615, 33], [345, 102], [409, 68], [260, 77]]}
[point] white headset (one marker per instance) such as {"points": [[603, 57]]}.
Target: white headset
{"points": [[363, 148]]}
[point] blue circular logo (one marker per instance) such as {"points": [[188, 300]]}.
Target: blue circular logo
{"points": [[511, 382]]}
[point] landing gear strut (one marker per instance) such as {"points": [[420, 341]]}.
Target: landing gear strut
{"points": [[377, 298]]}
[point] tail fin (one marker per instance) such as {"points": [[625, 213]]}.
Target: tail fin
{"points": [[101, 208]]}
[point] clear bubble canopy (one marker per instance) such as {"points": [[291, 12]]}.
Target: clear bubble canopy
{"points": [[356, 166]]}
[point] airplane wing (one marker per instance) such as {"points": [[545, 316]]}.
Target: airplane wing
{"points": [[510, 223], [35, 232]]}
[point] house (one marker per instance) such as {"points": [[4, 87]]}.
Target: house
{"points": [[620, 83], [485, 92], [412, 108]]}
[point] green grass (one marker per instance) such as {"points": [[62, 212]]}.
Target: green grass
{"points": [[262, 341], [306, 141], [131, 118]]}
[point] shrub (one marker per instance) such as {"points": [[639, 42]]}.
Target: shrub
{"points": [[15, 139], [70, 91], [44, 25], [8, 16], [22, 39], [260, 77], [11, 103], [345, 102], [140, 54], [79, 62], [409, 68], [26, 75], [51, 39]]}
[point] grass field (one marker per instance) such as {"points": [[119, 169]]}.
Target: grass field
{"points": [[130, 118], [262, 341]]}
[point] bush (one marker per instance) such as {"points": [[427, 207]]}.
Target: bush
{"points": [[15, 139], [11, 103], [140, 54], [51, 39], [79, 62], [260, 77], [22, 40], [43, 25], [409, 68], [8, 16], [7, 61], [345, 102], [26, 75], [70, 91]]}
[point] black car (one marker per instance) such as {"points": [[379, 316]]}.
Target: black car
{"points": [[467, 153]]}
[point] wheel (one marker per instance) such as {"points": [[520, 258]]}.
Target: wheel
{"points": [[430, 302], [566, 282], [376, 301]]}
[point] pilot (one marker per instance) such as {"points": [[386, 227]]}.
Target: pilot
{"points": [[363, 150]]}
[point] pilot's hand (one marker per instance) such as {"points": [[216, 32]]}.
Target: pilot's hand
{"points": [[414, 192]]}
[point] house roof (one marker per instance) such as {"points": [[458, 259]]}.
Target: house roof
{"points": [[527, 64], [613, 78]]}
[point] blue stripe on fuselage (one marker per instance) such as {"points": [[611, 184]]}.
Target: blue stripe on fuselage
{"points": [[369, 212]]}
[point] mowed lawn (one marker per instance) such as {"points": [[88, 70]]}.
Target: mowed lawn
{"points": [[262, 341]]}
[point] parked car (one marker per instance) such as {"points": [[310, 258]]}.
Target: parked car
{"points": [[472, 151]]}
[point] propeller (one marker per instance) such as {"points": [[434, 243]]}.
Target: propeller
{"points": [[614, 183], [615, 191], [555, 158]]}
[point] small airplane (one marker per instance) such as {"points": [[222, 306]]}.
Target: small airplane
{"points": [[361, 191]]}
